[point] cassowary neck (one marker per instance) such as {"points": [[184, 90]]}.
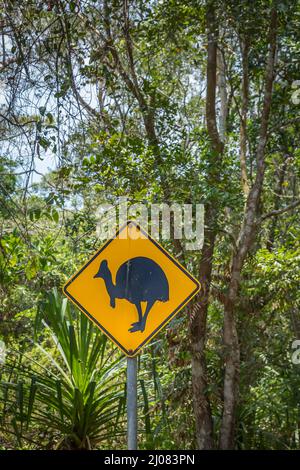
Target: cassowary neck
{"points": [[112, 290], [110, 287]]}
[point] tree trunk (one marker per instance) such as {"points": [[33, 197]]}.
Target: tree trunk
{"points": [[202, 410], [247, 233], [244, 113]]}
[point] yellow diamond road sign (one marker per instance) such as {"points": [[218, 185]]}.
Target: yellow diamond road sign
{"points": [[131, 288]]}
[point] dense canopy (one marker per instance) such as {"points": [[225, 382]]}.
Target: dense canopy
{"points": [[161, 101]]}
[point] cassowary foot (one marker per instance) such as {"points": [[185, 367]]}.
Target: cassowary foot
{"points": [[137, 326]]}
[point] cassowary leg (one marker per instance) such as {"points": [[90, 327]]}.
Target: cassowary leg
{"points": [[148, 308], [136, 326]]}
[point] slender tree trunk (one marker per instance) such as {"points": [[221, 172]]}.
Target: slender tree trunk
{"points": [[247, 234], [221, 81], [202, 410], [244, 113]]}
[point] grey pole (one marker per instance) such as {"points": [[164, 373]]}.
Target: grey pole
{"points": [[132, 403]]}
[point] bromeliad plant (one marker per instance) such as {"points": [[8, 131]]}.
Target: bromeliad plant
{"points": [[73, 392]]}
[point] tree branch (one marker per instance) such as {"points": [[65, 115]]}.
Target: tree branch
{"points": [[290, 207]]}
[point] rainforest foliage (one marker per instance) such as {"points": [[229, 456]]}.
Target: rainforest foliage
{"points": [[160, 101]]}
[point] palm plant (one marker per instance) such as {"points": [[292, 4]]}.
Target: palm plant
{"points": [[73, 391]]}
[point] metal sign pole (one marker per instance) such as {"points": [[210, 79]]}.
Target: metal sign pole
{"points": [[132, 403]]}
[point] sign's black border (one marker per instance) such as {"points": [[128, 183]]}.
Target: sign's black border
{"points": [[131, 353]]}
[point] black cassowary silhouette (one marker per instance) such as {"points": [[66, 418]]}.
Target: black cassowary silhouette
{"points": [[138, 280]]}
